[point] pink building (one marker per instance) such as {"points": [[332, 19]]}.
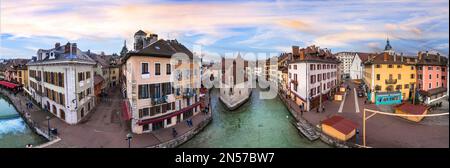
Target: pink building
{"points": [[432, 76]]}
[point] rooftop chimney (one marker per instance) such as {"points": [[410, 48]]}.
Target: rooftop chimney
{"points": [[302, 54], [67, 48], [419, 55], [395, 57], [386, 56], [57, 45], [295, 51], [74, 48]]}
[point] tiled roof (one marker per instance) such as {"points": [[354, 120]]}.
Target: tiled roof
{"points": [[60, 55], [162, 48], [98, 79], [391, 59], [434, 91], [363, 56], [341, 124], [411, 109], [432, 59]]}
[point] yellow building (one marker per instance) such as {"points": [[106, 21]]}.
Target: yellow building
{"points": [[22, 76], [390, 78]]}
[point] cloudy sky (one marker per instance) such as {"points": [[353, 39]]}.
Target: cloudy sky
{"points": [[229, 26]]}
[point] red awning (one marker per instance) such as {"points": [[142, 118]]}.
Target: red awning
{"points": [[8, 84], [153, 120], [126, 110]]}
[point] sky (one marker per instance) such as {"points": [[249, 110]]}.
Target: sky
{"points": [[226, 26]]}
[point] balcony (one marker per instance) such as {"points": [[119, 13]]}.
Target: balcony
{"points": [[391, 81]]}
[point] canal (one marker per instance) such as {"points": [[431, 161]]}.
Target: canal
{"points": [[14, 132], [258, 123]]}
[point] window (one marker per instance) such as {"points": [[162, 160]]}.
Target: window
{"points": [[144, 112], [145, 127], [429, 76], [420, 76], [155, 110], [378, 77], [437, 76], [390, 66], [80, 96], [145, 68], [399, 66], [412, 76], [430, 68], [88, 91], [289, 66], [437, 84], [406, 86], [295, 67], [429, 85], [143, 92], [377, 66], [319, 77], [168, 69], [169, 121], [419, 68], [88, 75], [412, 67], [399, 76], [80, 76], [157, 69], [443, 69]]}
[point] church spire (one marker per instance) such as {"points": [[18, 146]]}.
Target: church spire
{"points": [[124, 48]]}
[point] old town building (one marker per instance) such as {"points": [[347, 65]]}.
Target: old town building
{"points": [[312, 76], [61, 82], [161, 88], [431, 76], [235, 88]]}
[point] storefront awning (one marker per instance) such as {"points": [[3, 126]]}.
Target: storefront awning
{"points": [[162, 118]]}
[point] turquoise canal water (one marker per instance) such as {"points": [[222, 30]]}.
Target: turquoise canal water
{"points": [[14, 132], [258, 123]]}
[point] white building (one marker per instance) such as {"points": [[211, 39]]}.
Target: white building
{"points": [[312, 72], [345, 59], [61, 81], [357, 66]]}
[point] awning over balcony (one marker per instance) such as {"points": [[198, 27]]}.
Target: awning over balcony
{"points": [[126, 115], [162, 118]]}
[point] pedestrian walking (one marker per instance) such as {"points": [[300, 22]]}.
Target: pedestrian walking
{"points": [[174, 132], [317, 109], [323, 109]]}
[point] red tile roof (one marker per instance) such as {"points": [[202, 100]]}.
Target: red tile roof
{"points": [[341, 124], [411, 108], [98, 79]]}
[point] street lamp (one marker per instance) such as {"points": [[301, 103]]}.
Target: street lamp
{"points": [[129, 137], [48, 125]]}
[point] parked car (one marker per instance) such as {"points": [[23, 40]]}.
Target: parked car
{"points": [[360, 93]]}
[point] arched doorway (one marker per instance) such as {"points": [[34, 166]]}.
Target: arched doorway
{"points": [[62, 114], [82, 112]]}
